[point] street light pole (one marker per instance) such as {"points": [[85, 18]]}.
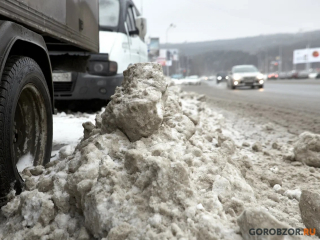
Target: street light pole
{"points": [[142, 7], [171, 26], [267, 62], [280, 58], [308, 60]]}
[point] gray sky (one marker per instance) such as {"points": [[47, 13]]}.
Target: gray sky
{"points": [[201, 20]]}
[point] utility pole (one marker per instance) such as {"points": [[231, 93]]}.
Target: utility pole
{"points": [[307, 51], [280, 59], [267, 62], [307, 60], [142, 7], [171, 26]]}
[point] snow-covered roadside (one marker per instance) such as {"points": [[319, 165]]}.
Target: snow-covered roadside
{"points": [[68, 131], [67, 128], [267, 151], [188, 173]]}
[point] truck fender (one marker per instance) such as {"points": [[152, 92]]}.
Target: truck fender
{"points": [[18, 40]]}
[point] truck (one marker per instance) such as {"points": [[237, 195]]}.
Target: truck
{"points": [[122, 30], [29, 31]]}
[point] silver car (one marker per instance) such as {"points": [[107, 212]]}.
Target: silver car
{"points": [[245, 75], [192, 80]]}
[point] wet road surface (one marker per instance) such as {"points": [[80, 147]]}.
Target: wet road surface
{"points": [[291, 103]]}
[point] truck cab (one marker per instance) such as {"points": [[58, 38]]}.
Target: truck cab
{"points": [[121, 33]]}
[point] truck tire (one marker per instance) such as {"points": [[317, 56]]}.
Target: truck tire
{"points": [[25, 121]]}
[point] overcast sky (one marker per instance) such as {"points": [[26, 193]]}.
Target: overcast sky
{"points": [[201, 20]]}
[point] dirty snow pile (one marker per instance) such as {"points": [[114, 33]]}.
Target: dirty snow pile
{"points": [[154, 166]]}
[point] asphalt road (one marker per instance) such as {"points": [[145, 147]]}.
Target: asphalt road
{"points": [[292, 103]]}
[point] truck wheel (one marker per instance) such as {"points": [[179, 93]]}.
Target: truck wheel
{"points": [[25, 122]]}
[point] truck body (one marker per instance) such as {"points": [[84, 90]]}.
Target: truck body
{"points": [[64, 24], [29, 30], [121, 35]]}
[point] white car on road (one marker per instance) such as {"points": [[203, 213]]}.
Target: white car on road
{"points": [[178, 81], [192, 80], [245, 75]]}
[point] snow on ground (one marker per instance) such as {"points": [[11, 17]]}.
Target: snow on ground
{"points": [[68, 131], [67, 128], [25, 161], [159, 163]]}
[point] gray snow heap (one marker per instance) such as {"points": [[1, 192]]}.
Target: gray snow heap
{"points": [[156, 165], [307, 149], [137, 107]]}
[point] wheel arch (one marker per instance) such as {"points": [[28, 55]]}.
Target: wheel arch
{"points": [[38, 54], [18, 40]]}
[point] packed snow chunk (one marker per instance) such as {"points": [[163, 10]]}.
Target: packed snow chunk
{"points": [[293, 194], [36, 171], [66, 151], [173, 103], [228, 146], [88, 128], [257, 147], [200, 207], [269, 126], [277, 188], [310, 210], [191, 109], [274, 169], [137, 107], [254, 220], [155, 221], [307, 149], [182, 124], [231, 184], [271, 179], [34, 207]]}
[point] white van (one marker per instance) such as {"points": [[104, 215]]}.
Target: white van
{"points": [[122, 33]]}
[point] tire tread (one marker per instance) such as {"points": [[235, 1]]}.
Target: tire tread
{"points": [[8, 83]]}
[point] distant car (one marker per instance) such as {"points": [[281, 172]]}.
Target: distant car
{"points": [[211, 78], [313, 75], [283, 75], [303, 74], [292, 74], [245, 75], [192, 80], [204, 78], [222, 76], [273, 76], [178, 81], [177, 76]]}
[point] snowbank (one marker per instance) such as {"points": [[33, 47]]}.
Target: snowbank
{"points": [[307, 149], [154, 166]]}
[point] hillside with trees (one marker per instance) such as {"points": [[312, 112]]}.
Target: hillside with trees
{"points": [[220, 55]]}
